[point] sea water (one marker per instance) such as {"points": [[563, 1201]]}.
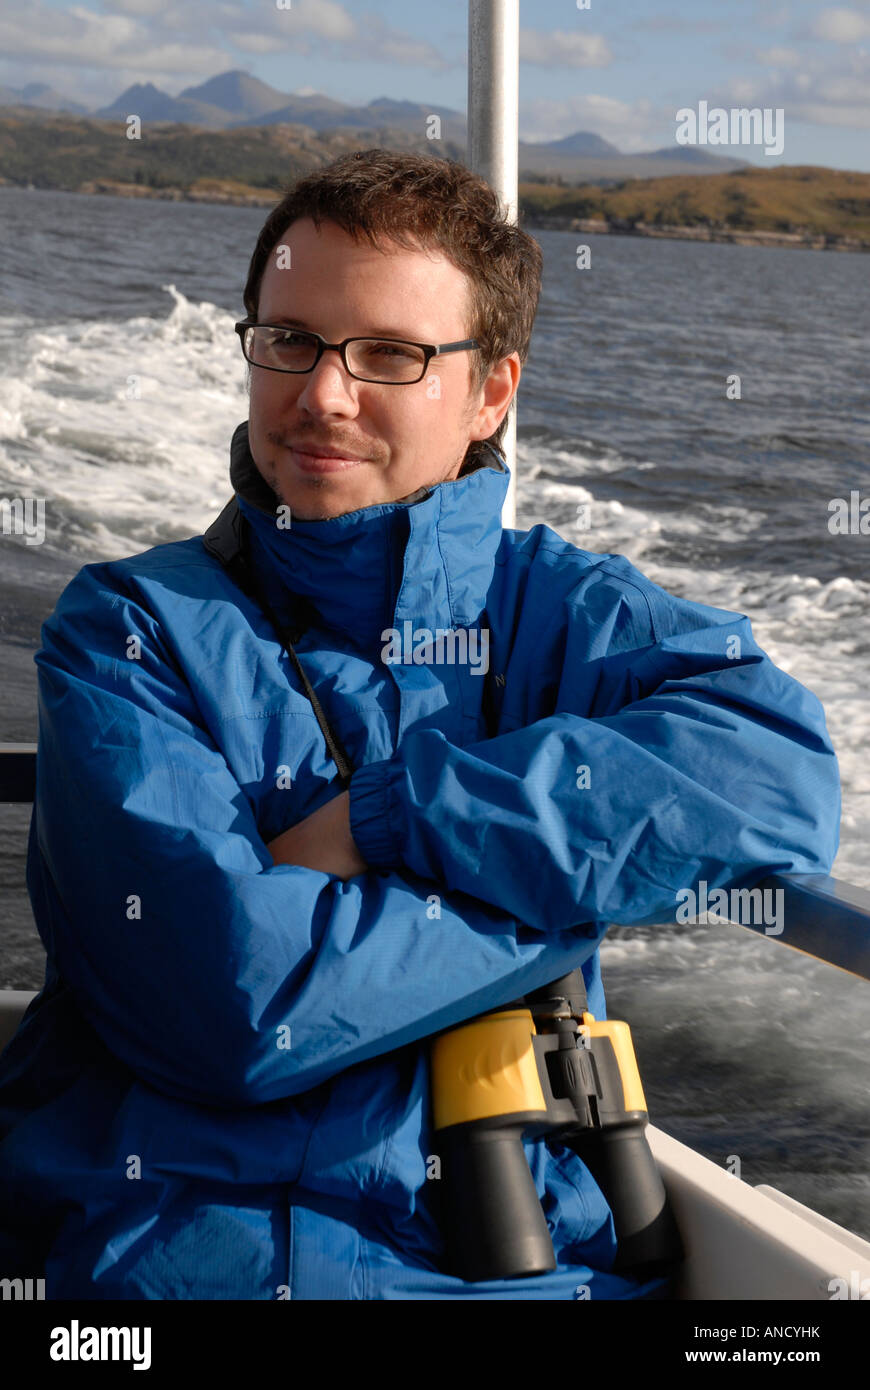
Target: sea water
{"points": [[121, 382]]}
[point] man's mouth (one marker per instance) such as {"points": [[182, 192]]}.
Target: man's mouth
{"points": [[316, 459], [313, 463]]}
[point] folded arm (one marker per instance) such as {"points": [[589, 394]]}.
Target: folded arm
{"points": [[215, 974], [322, 841], [679, 754]]}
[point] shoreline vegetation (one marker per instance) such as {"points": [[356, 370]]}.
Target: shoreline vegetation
{"points": [[787, 206]]}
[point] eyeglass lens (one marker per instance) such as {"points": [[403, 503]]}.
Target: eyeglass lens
{"points": [[375, 359]]}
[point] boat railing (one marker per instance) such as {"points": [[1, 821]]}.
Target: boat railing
{"points": [[824, 917]]}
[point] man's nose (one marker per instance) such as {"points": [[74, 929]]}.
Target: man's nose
{"points": [[329, 389]]}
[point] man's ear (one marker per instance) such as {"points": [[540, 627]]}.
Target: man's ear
{"points": [[495, 396]]}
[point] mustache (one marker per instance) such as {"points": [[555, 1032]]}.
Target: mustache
{"points": [[341, 447]]}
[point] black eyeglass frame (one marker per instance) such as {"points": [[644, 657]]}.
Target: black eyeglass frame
{"points": [[430, 349]]}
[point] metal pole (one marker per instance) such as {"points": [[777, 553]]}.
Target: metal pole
{"points": [[493, 134]]}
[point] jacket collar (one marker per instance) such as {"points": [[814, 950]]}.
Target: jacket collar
{"points": [[428, 558]]}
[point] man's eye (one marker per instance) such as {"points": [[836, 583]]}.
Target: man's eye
{"points": [[391, 350]]}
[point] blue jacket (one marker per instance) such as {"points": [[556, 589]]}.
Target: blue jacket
{"points": [[222, 1090]]}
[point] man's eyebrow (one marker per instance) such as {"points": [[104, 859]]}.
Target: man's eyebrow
{"points": [[376, 331]]}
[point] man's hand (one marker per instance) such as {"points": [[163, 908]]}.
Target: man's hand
{"points": [[322, 841]]}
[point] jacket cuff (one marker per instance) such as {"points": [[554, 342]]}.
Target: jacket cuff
{"points": [[370, 822]]}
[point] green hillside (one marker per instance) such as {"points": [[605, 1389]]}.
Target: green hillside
{"points": [[254, 164], [790, 199], [257, 161]]}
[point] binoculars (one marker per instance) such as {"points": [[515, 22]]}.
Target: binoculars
{"points": [[542, 1067]]}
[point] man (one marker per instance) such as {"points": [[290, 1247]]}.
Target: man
{"points": [[223, 1090]]}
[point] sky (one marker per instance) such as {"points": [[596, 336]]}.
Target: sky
{"points": [[621, 68]]}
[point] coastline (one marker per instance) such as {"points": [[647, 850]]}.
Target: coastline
{"points": [[738, 236], [242, 195]]}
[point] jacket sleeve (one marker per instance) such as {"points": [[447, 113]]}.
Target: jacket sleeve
{"points": [[215, 975], [673, 751]]}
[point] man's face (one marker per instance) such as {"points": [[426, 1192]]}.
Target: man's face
{"points": [[406, 436]]}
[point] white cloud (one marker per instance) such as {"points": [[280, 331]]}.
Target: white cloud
{"points": [[842, 88], [773, 16], [327, 29], [321, 17], [564, 49], [84, 38], [679, 24], [176, 44], [623, 123], [379, 43], [841, 26], [777, 57], [819, 91], [141, 7], [255, 42], [324, 18], [853, 116]]}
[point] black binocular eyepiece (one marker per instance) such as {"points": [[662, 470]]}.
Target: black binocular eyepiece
{"points": [[542, 1067]]}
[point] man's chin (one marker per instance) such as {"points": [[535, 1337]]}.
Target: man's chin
{"points": [[322, 501]]}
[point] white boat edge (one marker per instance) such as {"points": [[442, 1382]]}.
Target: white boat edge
{"points": [[742, 1243], [745, 1243]]}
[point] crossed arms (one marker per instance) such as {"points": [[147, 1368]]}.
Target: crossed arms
{"points": [[322, 841], [446, 880]]}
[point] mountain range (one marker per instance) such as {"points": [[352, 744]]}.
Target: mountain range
{"points": [[39, 95], [236, 99]]}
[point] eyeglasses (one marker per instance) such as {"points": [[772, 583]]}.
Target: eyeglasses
{"points": [[388, 361]]}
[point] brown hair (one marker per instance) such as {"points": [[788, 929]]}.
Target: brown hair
{"points": [[424, 200]]}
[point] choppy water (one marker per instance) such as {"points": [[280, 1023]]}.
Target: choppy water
{"points": [[746, 1048]]}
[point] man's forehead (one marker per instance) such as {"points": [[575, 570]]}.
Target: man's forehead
{"points": [[382, 244], [403, 275]]}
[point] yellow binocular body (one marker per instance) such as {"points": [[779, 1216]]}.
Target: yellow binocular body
{"points": [[542, 1067], [488, 1068]]}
